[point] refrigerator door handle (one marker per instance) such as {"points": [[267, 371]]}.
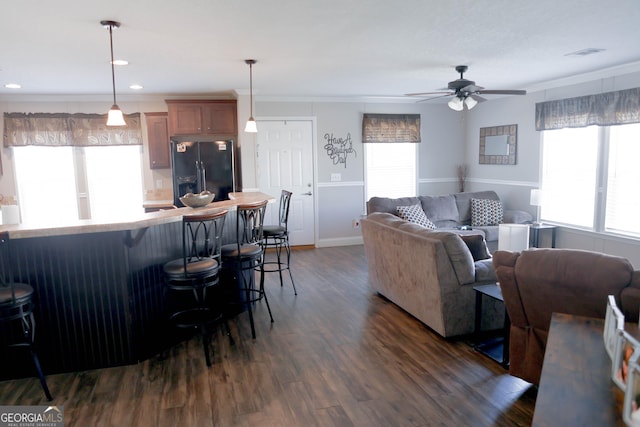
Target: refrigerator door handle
{"points": [[203, 177]]}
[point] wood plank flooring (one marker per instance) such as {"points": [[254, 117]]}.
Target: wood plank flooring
{"points": [[337, 355]]}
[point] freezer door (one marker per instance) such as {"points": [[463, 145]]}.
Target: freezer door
{"points": [[217, 165], [184, 162]]}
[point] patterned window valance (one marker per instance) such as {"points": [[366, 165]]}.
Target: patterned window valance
{"points": [[61, 129], [604, 109], [391, 128]]}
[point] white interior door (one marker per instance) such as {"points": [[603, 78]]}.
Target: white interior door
{"points": [[285, 162]]}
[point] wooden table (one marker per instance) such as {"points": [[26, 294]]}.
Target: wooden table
{"points": [[575, 386]]}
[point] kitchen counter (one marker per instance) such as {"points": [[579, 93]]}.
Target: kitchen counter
{"points": [[99, 286], [23, 231]]}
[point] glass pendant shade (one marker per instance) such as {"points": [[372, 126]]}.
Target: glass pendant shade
{"points": [[251, 126], [470, 102], [456, 104], [115, 117]]}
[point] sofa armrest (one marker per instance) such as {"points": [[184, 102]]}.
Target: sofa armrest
{"points": [[630, 298], [514, 216]]}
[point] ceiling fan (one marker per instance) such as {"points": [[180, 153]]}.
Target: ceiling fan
{"points": [[465, 92]]}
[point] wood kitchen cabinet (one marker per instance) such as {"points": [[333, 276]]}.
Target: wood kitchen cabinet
{"points": [[158, 139], [189, 117]]}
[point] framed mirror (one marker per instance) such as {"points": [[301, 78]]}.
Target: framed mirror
{"points": [[498, 145]]}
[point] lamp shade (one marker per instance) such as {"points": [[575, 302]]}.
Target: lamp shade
{"points": [[115, 117], [251, 126], [470, 102], [536, 197], [456, 104], [513, 237]]}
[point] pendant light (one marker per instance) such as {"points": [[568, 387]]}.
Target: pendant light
{"points": [[115, 117], [251, 123]]}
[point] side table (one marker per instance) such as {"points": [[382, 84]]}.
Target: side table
{"points": [[496, 348], [535, 234]]}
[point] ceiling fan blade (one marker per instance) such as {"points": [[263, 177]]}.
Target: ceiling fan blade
{"points": [[503, 92], [478, 98], [435, 97], [429, 93]]}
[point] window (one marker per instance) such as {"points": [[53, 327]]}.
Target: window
{"points": [[46, 184], [58, 184], [390, 169], [590, 176]]}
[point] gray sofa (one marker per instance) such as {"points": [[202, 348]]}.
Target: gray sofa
{"points": [[451, 211], [430, 274]]}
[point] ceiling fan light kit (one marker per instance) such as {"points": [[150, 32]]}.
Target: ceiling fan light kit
{"points": [[465, 92]]}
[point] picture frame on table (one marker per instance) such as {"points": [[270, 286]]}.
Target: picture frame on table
{"points": [[631, 405], [626, 353], [613, 322]]}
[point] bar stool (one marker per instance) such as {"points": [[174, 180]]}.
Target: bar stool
{"points": [[246, 256], [277, 237], [16, 311], [196, 272]]}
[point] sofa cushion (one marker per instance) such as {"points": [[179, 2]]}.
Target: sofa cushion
{"points": [[459, 255], [485, 271], [386, 204], [415, 214], [477, 246], [485, 212], [442, 210]]}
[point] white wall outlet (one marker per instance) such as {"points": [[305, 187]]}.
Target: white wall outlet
{"points": [[158, 183], [356, 223], [335, 177]]}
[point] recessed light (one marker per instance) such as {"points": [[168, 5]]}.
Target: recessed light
{"points": [[120, 62], [13, 86], [585, 52], [136, 87]]}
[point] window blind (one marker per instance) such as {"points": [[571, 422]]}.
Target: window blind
{"points": [[390, 128]]}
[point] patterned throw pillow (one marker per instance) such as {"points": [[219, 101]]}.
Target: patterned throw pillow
{"points": [[485, 212], [415, 214]]}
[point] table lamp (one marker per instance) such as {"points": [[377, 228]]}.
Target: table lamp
{"points": [[536, 200]]}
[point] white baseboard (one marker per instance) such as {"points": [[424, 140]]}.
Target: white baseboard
{"points": [[341, 241]]}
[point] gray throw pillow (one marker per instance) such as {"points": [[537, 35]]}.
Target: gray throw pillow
{"points": [[477, 246]]}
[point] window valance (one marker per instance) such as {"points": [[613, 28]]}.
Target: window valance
{"points": [[391, 128], [604, 109], [61, 129]]}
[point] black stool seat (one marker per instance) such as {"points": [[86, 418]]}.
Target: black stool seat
{"points": [[190, 277], [175, 270], [246, 251], [16, 310], [21, 291], [273, 231]]}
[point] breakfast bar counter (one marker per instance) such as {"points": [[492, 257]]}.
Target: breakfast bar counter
{"points": [[99, 287]]}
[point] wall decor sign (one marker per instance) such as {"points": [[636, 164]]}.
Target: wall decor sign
{"points": [[498, 145], [338, 149]]}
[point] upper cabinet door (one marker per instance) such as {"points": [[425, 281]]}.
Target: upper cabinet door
{"points": [[195, 117], [158, 140], [185, 119], [219, 118]]}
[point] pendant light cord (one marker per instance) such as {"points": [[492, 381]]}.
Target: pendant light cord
{"points": [[251, 88], [113, 71]]}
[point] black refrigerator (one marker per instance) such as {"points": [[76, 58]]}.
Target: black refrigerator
{"points": [[198, 165]]}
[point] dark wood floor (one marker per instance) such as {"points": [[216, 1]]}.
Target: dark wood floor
{"points": [[337, 355]]}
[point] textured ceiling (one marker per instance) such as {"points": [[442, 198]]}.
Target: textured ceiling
{"points": [[304, 48]]}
